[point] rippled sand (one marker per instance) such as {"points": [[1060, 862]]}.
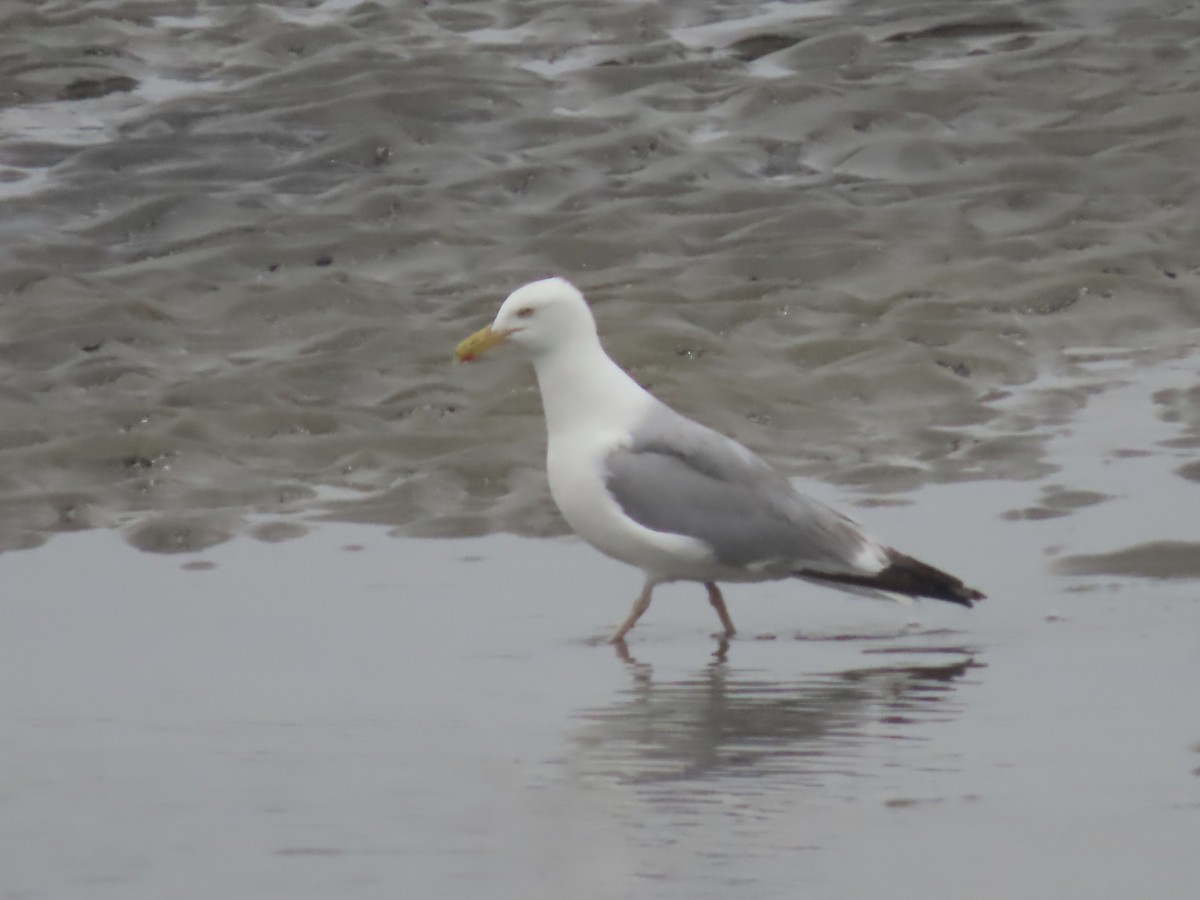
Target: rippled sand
{"points": [[240, 241]]}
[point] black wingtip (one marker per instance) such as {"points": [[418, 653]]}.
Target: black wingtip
{"points": [[908, 576], [923, 580]]}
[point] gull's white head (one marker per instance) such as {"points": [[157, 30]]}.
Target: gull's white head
{"points": [[540, 317]]}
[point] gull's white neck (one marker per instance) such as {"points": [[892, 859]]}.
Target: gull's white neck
{"points": [[582, 387]]}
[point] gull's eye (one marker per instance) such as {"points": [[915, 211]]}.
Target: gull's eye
{"points": [[525, 312]]}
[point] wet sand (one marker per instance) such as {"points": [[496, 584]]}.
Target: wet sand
{"points": [[288, 609], [844, 233]]}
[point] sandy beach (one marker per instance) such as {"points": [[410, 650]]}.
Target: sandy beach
{"points": [[288, 608]]}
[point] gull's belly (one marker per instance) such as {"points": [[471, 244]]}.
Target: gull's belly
{"points": [[577, 485]]}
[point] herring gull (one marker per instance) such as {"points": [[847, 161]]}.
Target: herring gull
{"points": [[645, 485]]}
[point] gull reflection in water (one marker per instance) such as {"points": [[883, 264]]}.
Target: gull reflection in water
{"points": [[729, 722]]}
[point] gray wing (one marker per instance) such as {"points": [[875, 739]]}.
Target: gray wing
{"points": [[679, 477]]}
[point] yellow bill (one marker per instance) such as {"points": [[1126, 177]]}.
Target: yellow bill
{"points": [[479, 343]]}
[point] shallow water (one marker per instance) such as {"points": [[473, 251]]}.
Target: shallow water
{"points": [[940, 262], [348, 711], [357, 713]]}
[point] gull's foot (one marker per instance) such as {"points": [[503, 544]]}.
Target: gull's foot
{"points": [[622, 651], [721, 654]]}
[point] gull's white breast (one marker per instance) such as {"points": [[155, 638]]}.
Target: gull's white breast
{"points": [[575, 467]]}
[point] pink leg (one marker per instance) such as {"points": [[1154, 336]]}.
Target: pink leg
{"points": [[640, 605], [718, 603]]}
